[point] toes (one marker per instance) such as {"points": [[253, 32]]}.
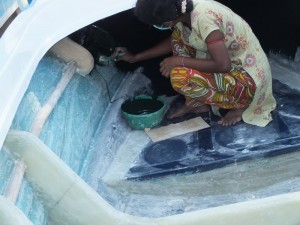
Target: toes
{"points": [[223, 122], [229, 121], [220, 121], [226, 123], [231, 118], [185, 109]]}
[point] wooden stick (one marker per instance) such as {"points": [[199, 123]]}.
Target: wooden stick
{"points": [[46, 110], [15, 183]]}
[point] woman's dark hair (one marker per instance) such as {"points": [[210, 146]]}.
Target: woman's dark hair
{"points": [[160, 11]]}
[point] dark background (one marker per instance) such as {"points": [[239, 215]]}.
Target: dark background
{"points": [[275, 23]]}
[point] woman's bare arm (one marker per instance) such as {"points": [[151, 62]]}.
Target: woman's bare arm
{"points": [[160, 49], [219, 63]]}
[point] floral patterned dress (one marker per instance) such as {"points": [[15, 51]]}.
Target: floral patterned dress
{"points": [[244, 49]]}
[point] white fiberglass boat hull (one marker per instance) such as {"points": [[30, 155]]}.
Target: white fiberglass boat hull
{"points": [[72, 201], [32, 34]]}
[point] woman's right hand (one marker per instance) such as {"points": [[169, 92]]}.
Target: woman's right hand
{"points": [[122, 54]]}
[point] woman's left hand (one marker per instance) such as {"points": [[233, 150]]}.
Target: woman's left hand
{"points": [[168, 64]]}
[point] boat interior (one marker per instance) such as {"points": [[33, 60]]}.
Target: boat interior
{"points": [[70, 157]]}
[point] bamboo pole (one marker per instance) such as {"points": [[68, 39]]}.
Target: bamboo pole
{"points": [[15, 182]]}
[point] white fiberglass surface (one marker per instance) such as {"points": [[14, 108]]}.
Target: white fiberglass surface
{"points": [[29, 37], [89, 134]]}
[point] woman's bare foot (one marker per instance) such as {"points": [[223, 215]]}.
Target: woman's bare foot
{"points": [[185, 109], [232, 117]]}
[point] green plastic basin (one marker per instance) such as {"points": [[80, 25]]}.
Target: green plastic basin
{"points": [[143, 111]]}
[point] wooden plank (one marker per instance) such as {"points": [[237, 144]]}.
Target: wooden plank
{"points": [[173, 130]]}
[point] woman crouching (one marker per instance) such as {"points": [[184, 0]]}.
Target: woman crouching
{"points": [[217, 60]]}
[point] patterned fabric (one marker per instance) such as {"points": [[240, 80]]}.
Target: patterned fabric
{"points": [[232, 90], [243, 47]]}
